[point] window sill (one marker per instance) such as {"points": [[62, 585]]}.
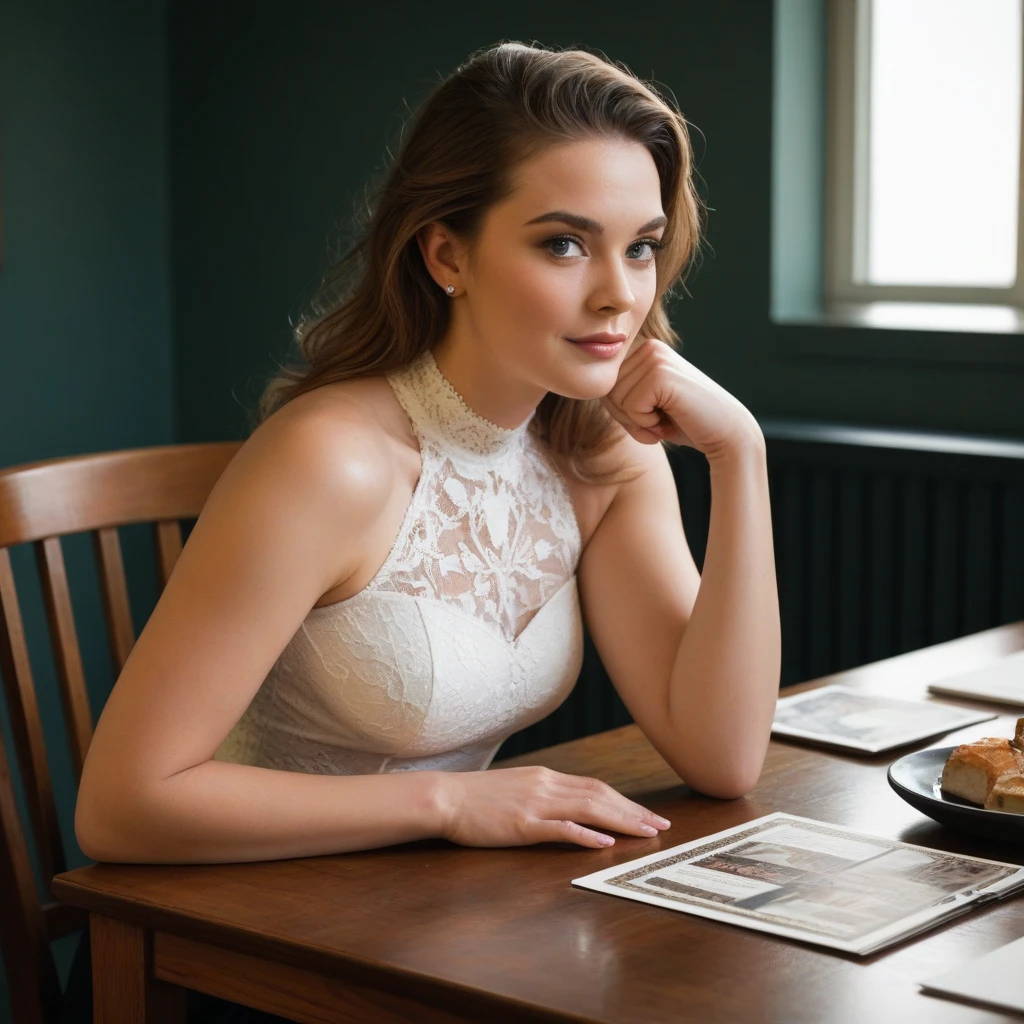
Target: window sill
{"points": [[919, 332], [917, 316]]}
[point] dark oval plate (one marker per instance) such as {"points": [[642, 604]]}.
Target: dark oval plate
{"points": [[916, 779]]}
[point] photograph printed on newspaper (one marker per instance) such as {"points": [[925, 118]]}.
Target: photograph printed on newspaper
{"points": [[841, 717], [811, 880]]}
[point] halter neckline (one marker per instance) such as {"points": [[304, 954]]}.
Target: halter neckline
{"points": [[435, 406]]}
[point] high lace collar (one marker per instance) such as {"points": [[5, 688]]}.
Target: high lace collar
{"points": [[435, 407]]}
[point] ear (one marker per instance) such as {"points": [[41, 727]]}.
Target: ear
{"points": [[442, 254]]}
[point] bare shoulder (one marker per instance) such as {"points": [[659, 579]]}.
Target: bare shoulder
{"points": [[339, 443], [311, 485]]}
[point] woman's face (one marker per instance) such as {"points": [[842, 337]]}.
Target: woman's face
{"points": [[571, 252]]}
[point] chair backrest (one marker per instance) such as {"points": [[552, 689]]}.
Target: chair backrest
{"points": [[39, 503]]}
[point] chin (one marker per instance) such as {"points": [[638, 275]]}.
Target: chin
{"points": [[587, 383]]}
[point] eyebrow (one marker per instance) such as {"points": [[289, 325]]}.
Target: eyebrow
{"points": [[586, 224]]}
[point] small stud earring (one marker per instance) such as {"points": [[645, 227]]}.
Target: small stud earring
{"points": [[450, 289]]}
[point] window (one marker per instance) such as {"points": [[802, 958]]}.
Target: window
{"points": [[923, 177]]}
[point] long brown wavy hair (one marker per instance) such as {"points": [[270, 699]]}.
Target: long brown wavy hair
{"points": [[378, 308]]}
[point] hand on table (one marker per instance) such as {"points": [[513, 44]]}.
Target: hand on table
{"points": [[520, 806]]}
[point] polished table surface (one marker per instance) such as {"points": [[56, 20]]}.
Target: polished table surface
{"points": [[430, 931]]}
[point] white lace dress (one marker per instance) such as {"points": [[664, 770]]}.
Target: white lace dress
{"points": [[469, 631]]}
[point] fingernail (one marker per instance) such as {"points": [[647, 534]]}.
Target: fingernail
{"points": [[605, 840], [649, 830], [663, 822]]}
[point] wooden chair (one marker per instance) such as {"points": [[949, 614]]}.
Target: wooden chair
{"points": [[39, 503]]}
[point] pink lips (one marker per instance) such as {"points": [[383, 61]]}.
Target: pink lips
{"points": [[603, 345]]}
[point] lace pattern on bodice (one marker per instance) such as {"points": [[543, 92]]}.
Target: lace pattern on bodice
{"points": [[469, 631], [490, 526]]}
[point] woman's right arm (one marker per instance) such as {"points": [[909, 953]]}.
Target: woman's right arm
{"points": [[284, 525]]}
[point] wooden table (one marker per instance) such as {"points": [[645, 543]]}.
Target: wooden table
{"points": [[431, 932]]}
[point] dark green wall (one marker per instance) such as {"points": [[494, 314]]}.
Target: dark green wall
{"points": [[85, 341], [277, 119], [85, 335], [277, 116]]}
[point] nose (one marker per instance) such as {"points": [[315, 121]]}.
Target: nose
{"points": [[611, 292]]}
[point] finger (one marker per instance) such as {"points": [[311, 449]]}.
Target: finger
{"points": [[617, 414], [641, 434], [602, 789], [645, 436], [613, 816], [635, 396], [625, 400], [599, 797], [639, 348], [565, 831], [628, 378]]}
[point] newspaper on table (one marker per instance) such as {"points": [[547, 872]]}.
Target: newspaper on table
{"points": [[838, 716], [994, 979], [1002, 682], [813, 881]]}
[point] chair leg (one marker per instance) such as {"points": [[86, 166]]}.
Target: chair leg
{"points": [[124, 988]]}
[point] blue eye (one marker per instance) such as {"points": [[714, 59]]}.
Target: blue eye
{"points": [[562, 240], [652, 243]]}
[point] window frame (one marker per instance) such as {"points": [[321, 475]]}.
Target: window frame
{"points": [[846, 179]]}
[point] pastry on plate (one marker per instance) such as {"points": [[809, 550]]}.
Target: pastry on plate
{"points": [[1007, 794], [972, 769]]}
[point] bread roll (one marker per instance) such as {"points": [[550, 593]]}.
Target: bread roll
{"points": [[972, 769], [1007, 794]]}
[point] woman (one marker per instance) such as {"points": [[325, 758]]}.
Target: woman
{"points": [[391, 576], [446, 441]]}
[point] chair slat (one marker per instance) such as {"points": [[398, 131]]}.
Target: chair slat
{"points": [[40, 502], [26, 726], [168, 547], [86, 492], [120, 631], [66, 652], [24, 939]]}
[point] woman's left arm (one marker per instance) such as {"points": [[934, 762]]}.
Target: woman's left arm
{"points": [[695, 658]]}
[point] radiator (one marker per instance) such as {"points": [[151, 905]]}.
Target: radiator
{"points": [[885, 541]]}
